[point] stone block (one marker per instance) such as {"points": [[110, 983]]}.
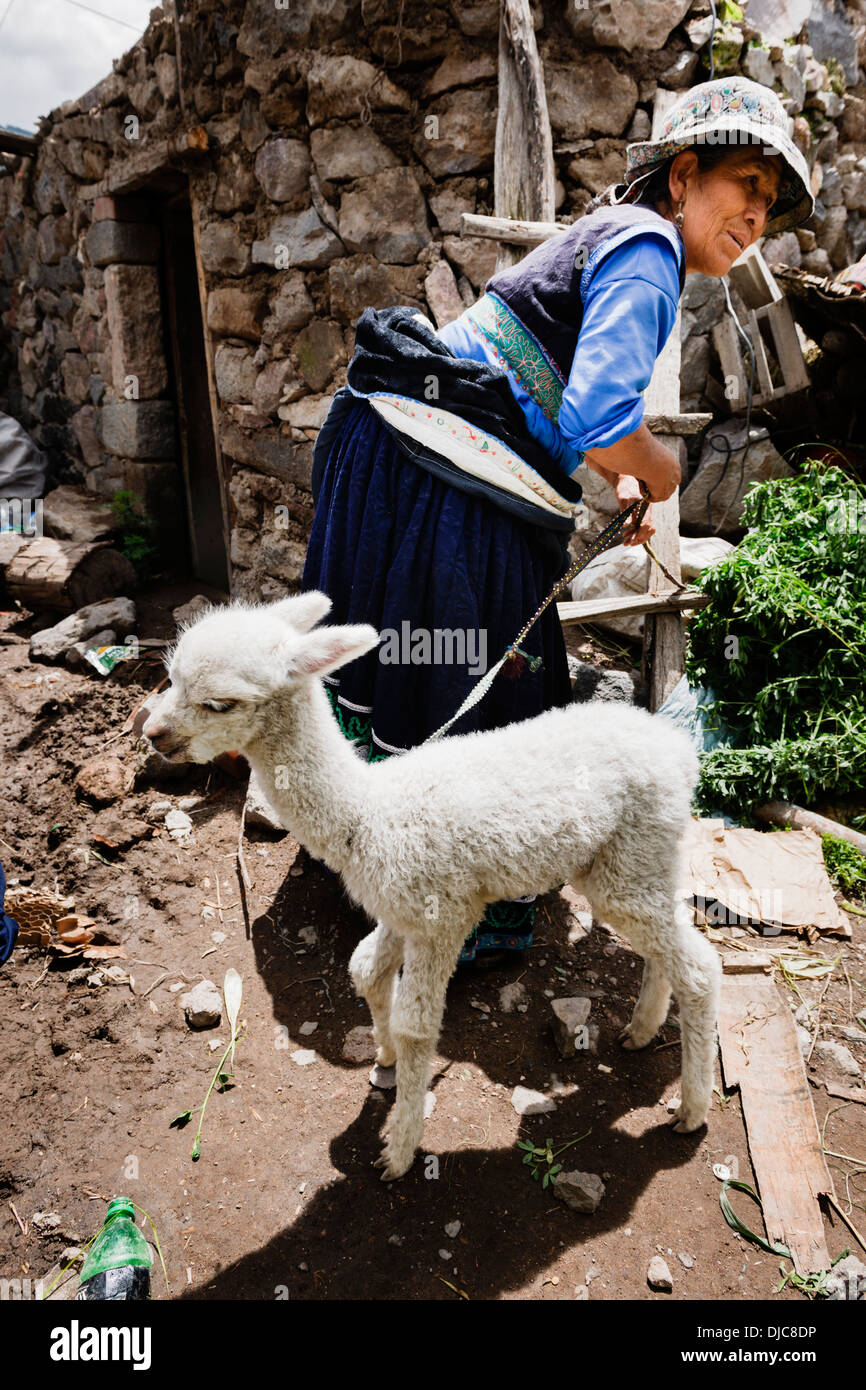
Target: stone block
{"points": [[133, 243], [283, 169], [135, 326], [233, 312], [139, 429]]}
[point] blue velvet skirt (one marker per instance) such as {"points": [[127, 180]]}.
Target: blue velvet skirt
{"points": [[449, 578]]}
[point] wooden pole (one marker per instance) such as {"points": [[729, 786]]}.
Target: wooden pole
{"points": [[523, 171]]}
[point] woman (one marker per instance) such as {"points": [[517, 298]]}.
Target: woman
{"points": [[445, 475]]}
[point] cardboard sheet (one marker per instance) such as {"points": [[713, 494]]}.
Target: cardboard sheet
{"points": [[772, 878]]}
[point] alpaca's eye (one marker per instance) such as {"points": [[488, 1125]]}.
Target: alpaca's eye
{"points": [[218, 706]]}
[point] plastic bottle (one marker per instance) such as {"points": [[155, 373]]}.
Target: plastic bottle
{"points": [[119, 1261]]}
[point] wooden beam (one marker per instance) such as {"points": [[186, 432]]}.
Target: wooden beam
{"points": [[126, 175], [629, 605], [13, 142], [513, 230], [523, 170]]}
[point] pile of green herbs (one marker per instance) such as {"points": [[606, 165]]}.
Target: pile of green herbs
{"points": [[783, 646]]}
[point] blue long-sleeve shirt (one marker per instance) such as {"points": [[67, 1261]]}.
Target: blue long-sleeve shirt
{"points": [[629, 308]]}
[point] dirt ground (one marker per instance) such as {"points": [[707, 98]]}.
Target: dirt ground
{"points": [[283, 1201]]}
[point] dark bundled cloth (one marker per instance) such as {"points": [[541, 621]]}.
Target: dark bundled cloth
{"points": [[397, 351], [396, 542], [8, 925]]}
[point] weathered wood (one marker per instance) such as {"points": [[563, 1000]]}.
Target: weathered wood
{"points": [[761, 1055], [65, 575], [126, 175], [508, 229], [672, 423], [13, 142], [664, 643], [753, 280], [523, 170], [629, 605], [786, 813]]}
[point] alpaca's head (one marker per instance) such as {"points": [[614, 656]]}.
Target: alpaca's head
{"points": [[229, 663]]}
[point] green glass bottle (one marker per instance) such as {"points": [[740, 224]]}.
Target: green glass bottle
{"points": [[119, 1260]]}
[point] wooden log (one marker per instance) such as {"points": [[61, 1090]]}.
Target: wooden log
{"points": [[523, 171], [786, 813], [65, 575], [586, 610], [517, 233]]}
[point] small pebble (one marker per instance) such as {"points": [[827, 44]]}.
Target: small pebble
{"points": [[307, 1028], [303, 1057]]}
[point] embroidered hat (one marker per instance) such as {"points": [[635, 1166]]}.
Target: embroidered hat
{"points": [[730, 111]]}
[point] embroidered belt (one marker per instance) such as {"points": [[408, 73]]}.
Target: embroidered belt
{"points": [[520, 351], [474, 451]]}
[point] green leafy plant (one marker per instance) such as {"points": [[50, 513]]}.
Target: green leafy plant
{"points": [[845, 865], [232, 993], [790, 690], [542, 1161], [138, 532]]}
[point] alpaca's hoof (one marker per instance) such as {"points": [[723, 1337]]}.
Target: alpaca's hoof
{"points": [[632, 1040], [393, 1163], [385, 1057], [687, 1124]]}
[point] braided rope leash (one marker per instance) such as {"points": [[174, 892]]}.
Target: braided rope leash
{"points": [[606, 538]]}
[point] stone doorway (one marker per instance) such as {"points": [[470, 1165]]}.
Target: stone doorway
{"points": [[160, 424], [193, 389]]}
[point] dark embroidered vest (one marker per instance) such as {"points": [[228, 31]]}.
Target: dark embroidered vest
{"points": [[532, 312]]}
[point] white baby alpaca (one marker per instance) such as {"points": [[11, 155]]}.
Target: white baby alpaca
{"points": [[595, 795]]}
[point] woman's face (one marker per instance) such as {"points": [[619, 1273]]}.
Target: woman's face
{"points": [[725, 209]]}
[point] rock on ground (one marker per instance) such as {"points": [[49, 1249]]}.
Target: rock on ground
{"points": [[359, 1045], [527, 1102], [658, 1276], [580, 1191], [569, 1024], [102, 779], [52, 643], [202, 1005]]}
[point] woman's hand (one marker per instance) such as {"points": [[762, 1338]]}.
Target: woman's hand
{"points": [[627, 491]]}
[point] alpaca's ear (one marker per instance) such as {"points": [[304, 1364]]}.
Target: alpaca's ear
{"points": [[303, 611], [330, 647]]}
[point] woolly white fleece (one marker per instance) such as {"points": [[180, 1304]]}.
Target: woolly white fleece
{"points": [[594, 795]]}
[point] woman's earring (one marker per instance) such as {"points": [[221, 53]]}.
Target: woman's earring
{"points": [[679, 217]]}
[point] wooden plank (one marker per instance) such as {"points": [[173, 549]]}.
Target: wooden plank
{"points": [[586, 610], [673, 423], [519, 233], [789, 354], [127, 175], [753, 280], [195, 210], [664, 642], [523, 171], [761, 1055], [13, 142]]}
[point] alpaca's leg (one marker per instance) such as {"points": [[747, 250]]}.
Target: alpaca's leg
{"points": [[373, 967], [416, 1018], [651, 1009], [694, 969]]}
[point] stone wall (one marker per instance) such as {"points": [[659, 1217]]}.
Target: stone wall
{"points": [[329, 160]]}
